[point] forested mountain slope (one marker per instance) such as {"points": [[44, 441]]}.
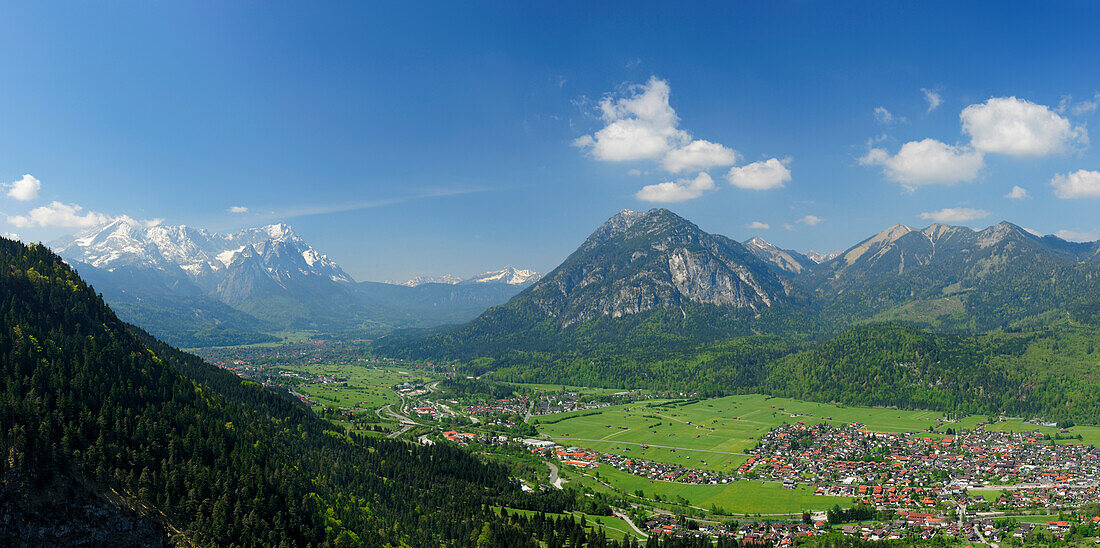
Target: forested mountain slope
{"points": [[96, 412], [650, 300]]}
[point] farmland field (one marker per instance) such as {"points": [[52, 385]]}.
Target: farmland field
{"points": [[715, 433], [358, 388], [739, 497]]}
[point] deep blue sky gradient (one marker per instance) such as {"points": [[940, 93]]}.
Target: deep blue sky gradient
{"points": [[452, 122]]}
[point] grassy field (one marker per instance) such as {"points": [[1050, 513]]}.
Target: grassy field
{"points": [[1089, 434], [360, 389], [715, 433], [740, 497]]}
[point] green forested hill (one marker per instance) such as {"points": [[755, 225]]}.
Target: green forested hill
{"points": [[1052, 373], [90, 410], [985, 320]]}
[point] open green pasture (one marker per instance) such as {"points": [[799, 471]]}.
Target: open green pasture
{"points": [[361, 388], [739, 497], [1089, 434], [717, 431]]}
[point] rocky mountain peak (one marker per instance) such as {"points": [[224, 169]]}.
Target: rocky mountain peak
{"points": [[637, 262]]}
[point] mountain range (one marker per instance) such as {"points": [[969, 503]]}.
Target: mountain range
{"points": [[509, 275], [195, 287], [639, 262], [649, 298]]}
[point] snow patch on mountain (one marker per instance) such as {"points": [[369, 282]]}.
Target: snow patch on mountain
{"points": [[203, 255]]}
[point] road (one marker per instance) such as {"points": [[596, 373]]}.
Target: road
{"points": [[619, 514], [403, 429], [657, 446], [406, 422]]}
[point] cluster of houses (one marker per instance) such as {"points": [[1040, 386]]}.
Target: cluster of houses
{"points": [[662, 471], [902, 469], [430, 410], [904, 526], [563, 402], [509, 406]]}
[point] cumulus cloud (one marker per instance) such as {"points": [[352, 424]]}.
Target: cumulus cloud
{"points": [[24, 189], [1078, 235], [676, 191], [58, 214], [955, 215], [698, 155], [641, 125], [1079, 184], [238, 209], [933, 97], [926, 162], [10, 235], [759, 175], [884, 116], [1016, 127], [811, 220], [757, 225], [1018, 193]]}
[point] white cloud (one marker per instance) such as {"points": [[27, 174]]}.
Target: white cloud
{"points": [[238, 209], [641, 125], [757, 225], [811, 220], [933, 97], [24, 189], [955, 215], [1085, 107], [926, 162], [1018, 193], [1080, 184], [1007, 125], [58, 214], [698, 155], [635, 173], [10, 235], [759, 175], [884, 116], [676, 191], [788, 226], [1078, 235]]}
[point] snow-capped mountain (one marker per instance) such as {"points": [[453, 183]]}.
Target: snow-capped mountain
{"points": [[509, 275], [205, 257], [823, 257], [421, 280]]}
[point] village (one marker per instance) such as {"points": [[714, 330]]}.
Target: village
{"points": [[915, 485]]}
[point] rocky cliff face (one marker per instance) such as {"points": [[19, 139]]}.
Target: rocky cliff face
{"points": [[641, 261]]}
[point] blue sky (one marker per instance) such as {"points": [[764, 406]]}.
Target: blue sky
{"points": [[450, 138]]}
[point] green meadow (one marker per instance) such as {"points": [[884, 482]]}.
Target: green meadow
{"points": [[739, 497], [365, 388], [711, 434]]}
